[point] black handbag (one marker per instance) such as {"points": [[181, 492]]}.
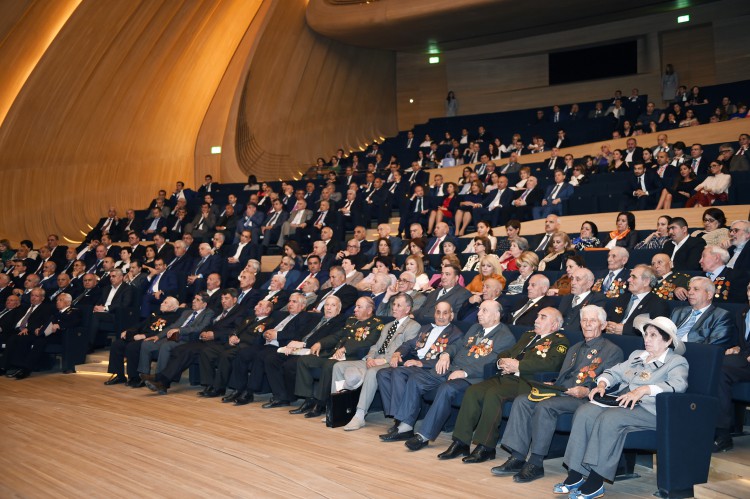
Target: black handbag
{"points": [[341, 407]]}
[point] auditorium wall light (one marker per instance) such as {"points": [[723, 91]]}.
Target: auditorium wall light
{"points": [[683, 19], [434, 60], [215, 149]]}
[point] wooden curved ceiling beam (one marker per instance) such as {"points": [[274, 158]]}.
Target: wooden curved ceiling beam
{"points": [[414, 25]]}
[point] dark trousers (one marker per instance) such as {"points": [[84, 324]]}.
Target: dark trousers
{"points": [[730, 374], [216, 365], [27, 351], [281, 372], [308, 368], [121, 350], [100, 322], [392, 383], [180, 358], [250, 359]]}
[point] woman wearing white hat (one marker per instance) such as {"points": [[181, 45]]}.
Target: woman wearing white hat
{"points": [[600, 428]]}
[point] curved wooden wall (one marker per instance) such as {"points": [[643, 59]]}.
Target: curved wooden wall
{"points": [[305, 96]]}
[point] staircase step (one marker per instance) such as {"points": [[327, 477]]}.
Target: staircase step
{"points": [[732, 464], [738, 488]]}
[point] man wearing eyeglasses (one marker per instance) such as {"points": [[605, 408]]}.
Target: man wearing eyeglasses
{"points": [[352, 251], [405, 284], [739, 233]]}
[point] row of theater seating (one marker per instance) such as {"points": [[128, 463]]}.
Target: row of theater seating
{"points": [[505, 124]]}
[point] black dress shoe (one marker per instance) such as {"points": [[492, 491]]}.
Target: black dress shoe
{"points": [[396, 436], [509, 467], [116, 379], [213, 393], [272, 404], [136, 383], [231, 397], [305, 407], [3, 371], [11, 373], [723, 444], [316, 411], [456, 449], [22, 373], [207, 389], [69, 371], [244, 399], [416, 443], [480, 454], [529, 473], [148, 377], [156, 386]]}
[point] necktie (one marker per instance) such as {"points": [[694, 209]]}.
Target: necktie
{"points": [[694, 165], [521, 355], [641, 181], [543, 244], [525, 193], [684, 329], [154, 283], [435, 247], [275, 217], [608, 281], [576, 300], [25, 319], [223, 314], [106, 225], [80, 297], [154, 224], [553, 195], [747, 326], [190, 319], [203, 260], [388, 338], [630, 308], [242, 295], [319, 221], [522, 311], [441, 293], [322, 323], [710, 275]]}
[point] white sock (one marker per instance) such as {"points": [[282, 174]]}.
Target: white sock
{"points": [[360, 414], [403, 427]]}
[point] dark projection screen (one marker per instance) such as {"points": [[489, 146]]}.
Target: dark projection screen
{"points": [[604, 61]]}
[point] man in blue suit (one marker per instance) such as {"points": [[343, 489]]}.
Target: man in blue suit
{"points": [[208, 263], [702, 322], [642, 190], [160, 285], [554, 197]]}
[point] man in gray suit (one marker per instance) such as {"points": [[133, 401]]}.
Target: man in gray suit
{"points": [[449, 292], [702, 322], [353, 373], [405, 285], [187, 326], [298, 219]]}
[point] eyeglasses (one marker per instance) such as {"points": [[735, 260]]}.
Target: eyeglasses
{"points": [[709, 220], [734, 230], [405, 281]]}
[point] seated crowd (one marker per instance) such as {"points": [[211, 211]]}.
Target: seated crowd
{"points": [[409, 313]]}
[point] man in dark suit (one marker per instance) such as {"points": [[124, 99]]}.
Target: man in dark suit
{"points": [[313, 272], [417, 176], [527, 199], [524, 314], [217, 333], [9, 317], [497, 206], [684, 250], [739, 234], [632, 154], [697, 162], [252, 220], [286, 327], [448, 291], [735, 369], [208, 263], [181, 192], [580, 295], [105, 225], [638, 300], [702, 322], [418, 208], [345, 292], [216, 360], [38, 327], [384, 232], [227, 223], [208, 186], [642, 190], [730, 284], [161, 284], [375, 204], [57, 251], [111, 313], [157, 225], [239, 254], [162, 248], [127, 225], [271, 229]]}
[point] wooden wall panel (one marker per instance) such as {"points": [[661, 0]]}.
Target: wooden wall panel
{"points": [[111, 112], [691, 51], [305, 96]]}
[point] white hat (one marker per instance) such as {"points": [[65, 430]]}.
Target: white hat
{"points": [[663, 324]]}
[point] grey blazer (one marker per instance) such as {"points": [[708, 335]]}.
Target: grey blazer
{"points": [[715, 326], [455, 297], [202, 321], [384, 309], [671, 376], [406, 331]]}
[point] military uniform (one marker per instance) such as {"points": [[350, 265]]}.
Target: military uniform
{"points": [[531, 424], [356, 337], [482, 406], [470, 355], [667, 285]]}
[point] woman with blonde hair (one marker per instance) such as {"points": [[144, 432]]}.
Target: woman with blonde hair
{"points": [[527, 264], [415, 265], [557, 252], [489, 268]]}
